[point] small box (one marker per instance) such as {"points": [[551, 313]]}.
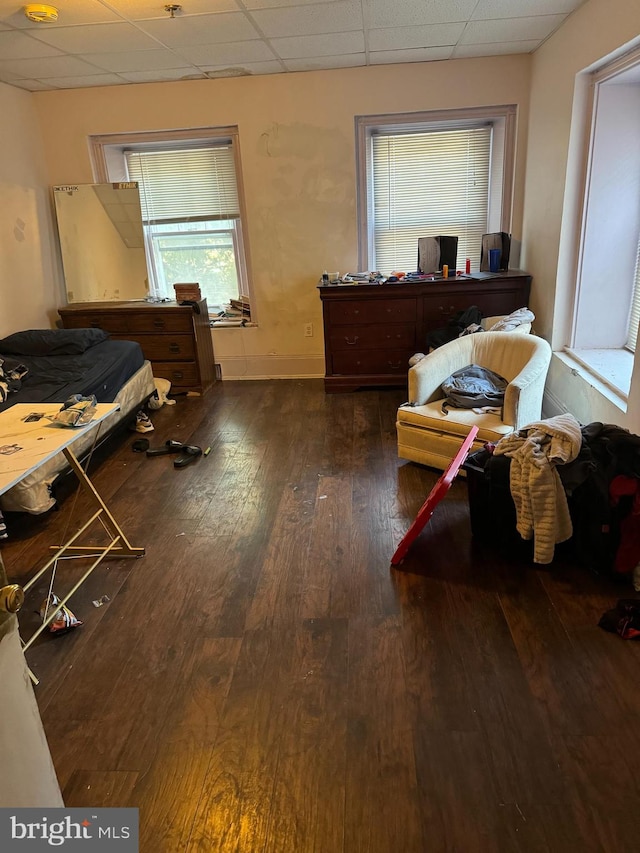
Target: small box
{"points": [[187, 291]]}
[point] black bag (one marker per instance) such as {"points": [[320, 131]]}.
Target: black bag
{"points": [[473, 387], [454, 328]]}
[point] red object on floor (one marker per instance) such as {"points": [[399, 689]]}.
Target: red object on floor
{"points": [[628, 553], [435, 496]]}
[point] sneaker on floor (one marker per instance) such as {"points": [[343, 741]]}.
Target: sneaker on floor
{"points": [[143, 422]]}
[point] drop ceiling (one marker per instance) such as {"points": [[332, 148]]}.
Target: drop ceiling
{"points": [[99, 43]]}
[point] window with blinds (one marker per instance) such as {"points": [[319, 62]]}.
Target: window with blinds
{"points": [[191, 217], [425, 184], [443, 172], [634, 313], [185, 185]]}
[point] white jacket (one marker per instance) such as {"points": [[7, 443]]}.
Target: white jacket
{"points": [[541, 504]]}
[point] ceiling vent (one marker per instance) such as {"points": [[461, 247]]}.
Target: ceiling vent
{"points": [[40, 13]]}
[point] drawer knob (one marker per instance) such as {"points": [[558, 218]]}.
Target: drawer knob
{"points": [[95, 324], [174, 347], [177, 374], [158, 323], [351, 341], [395, 365]]}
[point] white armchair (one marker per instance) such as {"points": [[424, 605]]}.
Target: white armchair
{"points": [[429, 436]]}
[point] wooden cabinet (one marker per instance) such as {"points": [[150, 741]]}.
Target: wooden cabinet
{"points": [[175, 339], [371, 330]]}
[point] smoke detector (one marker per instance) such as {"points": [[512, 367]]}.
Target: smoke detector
{"points": [[40, 13]]}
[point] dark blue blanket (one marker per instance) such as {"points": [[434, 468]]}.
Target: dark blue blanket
{"points": [[101, 370]]}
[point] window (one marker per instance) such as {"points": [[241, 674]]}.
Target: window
{"points": [[191, 209], [427, 174], [606, 308], [634, 314]]}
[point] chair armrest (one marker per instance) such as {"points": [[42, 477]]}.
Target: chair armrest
{"points": [[523, 397]]}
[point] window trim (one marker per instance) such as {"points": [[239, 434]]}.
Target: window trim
{"points": [[589, 82], [100, 143], [366, 125]]}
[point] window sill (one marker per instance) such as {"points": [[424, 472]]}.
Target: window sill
{"points": [[609, 369], [231, 324]]}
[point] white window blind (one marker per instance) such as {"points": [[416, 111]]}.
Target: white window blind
{"points": [[187, 185], [426, 184], [634, 314]]}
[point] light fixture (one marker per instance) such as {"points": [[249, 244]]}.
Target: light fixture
{"points": [[172, 8], [41, 13]]}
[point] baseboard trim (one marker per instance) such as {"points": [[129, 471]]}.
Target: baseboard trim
{"points": [[272, 367]]}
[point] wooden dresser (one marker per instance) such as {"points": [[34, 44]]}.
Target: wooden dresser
{"points": [[371, 330], [174, 338]]}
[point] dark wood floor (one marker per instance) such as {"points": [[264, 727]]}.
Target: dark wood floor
{"points": [[262, 681]]}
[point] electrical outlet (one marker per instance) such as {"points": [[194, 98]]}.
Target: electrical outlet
{"points": [[308, 330]]}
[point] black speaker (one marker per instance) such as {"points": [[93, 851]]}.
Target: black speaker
{"points": [[448, 252], [435, 252], [498, 240]]}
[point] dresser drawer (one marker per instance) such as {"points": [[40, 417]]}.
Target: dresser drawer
{"points": [[125, 321], [377, 336], [439, 309], [165, 347], [179, 373], [160, 322], [386, 362], [354, 311], [112, 323]]}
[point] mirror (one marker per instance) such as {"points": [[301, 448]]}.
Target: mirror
{"points": [[102, 242]]}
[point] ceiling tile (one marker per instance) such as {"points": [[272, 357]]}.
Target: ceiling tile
{"points": [[315, 19], [274, 4], [164, 76], [316, 63], [398, 38], [234, 37], [203, 29], [493, 9], [96, 38], [409, 13], [84, 82], [7, 77], [15, 45], [513, 29], [138, 60], [250, 68], [140, 10], [505, 47], [427, 54], [47, 66], [34, 85], [333, 44], [70, 12], [232, 53]]}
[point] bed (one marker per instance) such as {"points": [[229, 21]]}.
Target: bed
{"points": [[50, 365]]}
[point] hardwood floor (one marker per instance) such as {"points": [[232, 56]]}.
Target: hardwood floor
{"points": [[262, 681]]}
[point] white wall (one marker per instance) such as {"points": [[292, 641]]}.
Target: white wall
{"points": [[29, 288], [297, 144], [552, 188]]}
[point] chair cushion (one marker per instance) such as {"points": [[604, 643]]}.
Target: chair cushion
{"points": [[431, 418]]}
